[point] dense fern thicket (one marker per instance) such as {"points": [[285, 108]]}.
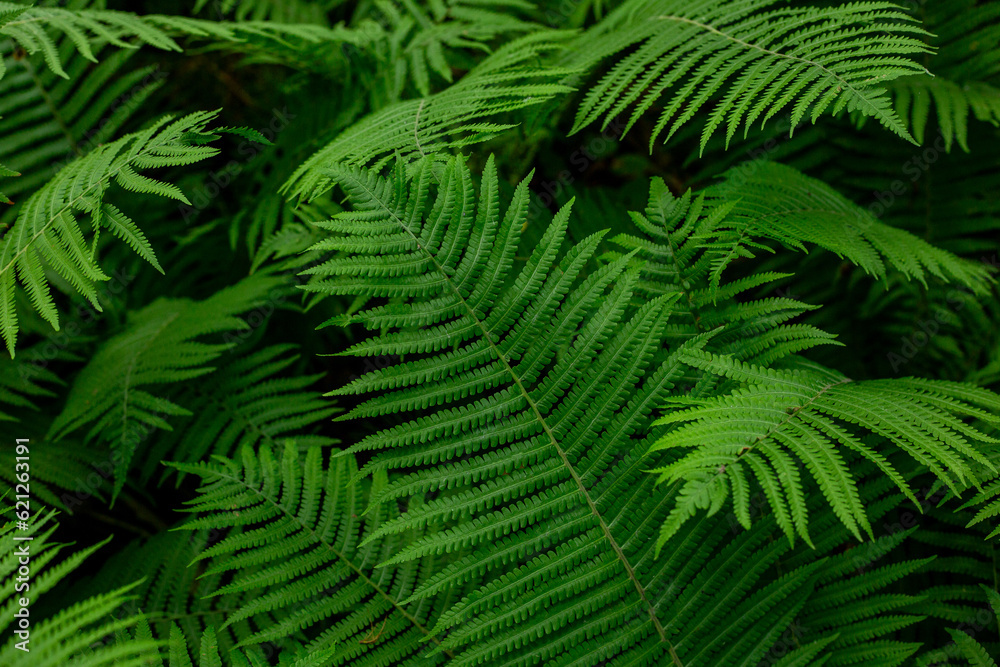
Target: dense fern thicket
{"points": [[500, 332]]}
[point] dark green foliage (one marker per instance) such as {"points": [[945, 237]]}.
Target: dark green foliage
{"points": [[490, 332]]}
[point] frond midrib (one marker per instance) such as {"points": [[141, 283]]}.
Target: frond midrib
{"points": [[538, 416]]}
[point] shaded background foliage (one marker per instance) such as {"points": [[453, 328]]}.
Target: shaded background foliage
{"points": [[301, 88]]}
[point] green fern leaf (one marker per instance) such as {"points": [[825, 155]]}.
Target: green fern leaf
{"points": [[460, 115], [750, 60], [27, 27], [788, 421], [69, 636], [48, 230], [295, 541]]}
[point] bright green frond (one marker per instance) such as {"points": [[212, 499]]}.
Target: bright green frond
{"points": [[788, 426], [749, 59], [49, 233]]}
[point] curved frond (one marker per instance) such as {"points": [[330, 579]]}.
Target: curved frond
{"points": [[749, 59], [464, 113], [787, 426], [48, 229]]}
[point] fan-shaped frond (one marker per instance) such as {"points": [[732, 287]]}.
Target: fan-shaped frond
{"points": [[48, 229], [751, 59]]}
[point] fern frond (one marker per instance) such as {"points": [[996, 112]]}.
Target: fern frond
{"points": [[248, 401], [48, 229], [171, 590], [21, 383], [168, 341], [419, 42], [208, 653], [685, 247], [70, 635], [462, 114], [296, 541], [524, 390], [965, 80], [786, 424], [31, 28], [971, 650], [47, 120], [750, 60], [306, 567], [778, 202]]}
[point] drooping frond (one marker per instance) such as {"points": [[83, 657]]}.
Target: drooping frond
{"points": [[170, 340], [784, 428], [749, 59], [31, 28], [246, 402], [300, 544], [771, 200], [966, 76], [464, 113], [46, 120], [48, 230], [72, 636]]}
